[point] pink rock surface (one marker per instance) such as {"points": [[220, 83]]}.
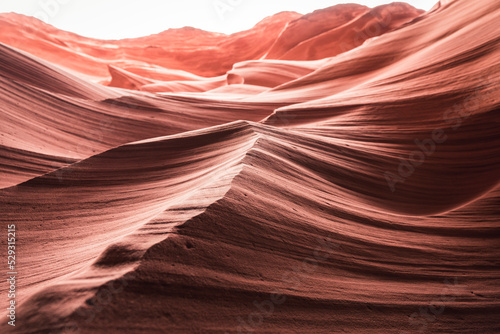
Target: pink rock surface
{"points": [[263, 182]]}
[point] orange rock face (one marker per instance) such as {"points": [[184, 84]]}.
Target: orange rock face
{"points": [[337, 172]]}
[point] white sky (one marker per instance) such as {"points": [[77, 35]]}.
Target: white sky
{"points": [[114, 19]]}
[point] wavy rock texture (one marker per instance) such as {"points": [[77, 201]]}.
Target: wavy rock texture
{"points": [[337, 172]]}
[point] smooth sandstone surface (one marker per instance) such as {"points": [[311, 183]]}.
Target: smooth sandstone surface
{"points": [[337, 172]]}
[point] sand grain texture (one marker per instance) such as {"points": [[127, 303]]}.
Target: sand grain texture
{"points": [[303, 176]]}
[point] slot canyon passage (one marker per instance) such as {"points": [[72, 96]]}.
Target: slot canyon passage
{"points": [[334, 172]]}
